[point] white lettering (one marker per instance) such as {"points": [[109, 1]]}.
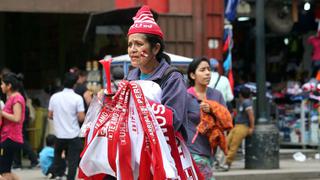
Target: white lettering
{"points": [[161, 120], [158, 109]]}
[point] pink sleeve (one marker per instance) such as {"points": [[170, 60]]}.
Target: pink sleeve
{"points": [[18, 99]]}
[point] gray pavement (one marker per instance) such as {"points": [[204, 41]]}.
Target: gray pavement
{"points": [[30, 174], [289, 170]]}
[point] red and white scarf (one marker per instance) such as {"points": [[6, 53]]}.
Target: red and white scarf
{"points": [[136, 140]]}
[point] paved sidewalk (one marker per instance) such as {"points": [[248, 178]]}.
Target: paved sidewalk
{"points": [[30, 174], [289, 170]]}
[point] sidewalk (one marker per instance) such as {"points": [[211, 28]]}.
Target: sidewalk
{"points": [[289, 169]]}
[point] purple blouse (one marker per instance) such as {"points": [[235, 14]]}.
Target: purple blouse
{"points": [[201, 146]]}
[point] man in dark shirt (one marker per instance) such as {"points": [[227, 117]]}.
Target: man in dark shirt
{"points": [[81, 87], [244, 125]]}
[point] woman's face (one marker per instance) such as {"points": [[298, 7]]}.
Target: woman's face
{"points": [[4, 88], [202, 74], [139, 50]]}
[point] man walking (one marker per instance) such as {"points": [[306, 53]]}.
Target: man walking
{"points": [[244, 126], [66, 109]]}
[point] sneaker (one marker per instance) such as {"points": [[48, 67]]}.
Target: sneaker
{"points": [[216, 165], [34, 165], [225, 167], [50, 176], [63, 177]]}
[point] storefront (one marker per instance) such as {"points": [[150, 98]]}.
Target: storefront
{"points": [[288, 64]]}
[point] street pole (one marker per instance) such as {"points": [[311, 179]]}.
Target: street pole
{"points": [[262, 148], [2, 43]]}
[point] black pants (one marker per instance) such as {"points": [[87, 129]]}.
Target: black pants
{"points": [[7, 151], [27, 149], [73, 148]]}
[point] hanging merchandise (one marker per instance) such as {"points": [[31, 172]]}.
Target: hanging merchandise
{"points": [[228, 45], [227, 65], [131, 137], [231, 9]]}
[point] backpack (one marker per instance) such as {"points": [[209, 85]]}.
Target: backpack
{"points": [[166, 75]]}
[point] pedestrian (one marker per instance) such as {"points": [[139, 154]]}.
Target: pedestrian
{"points": [[198, 93], [3, 71], [244, 126], [81, 86], [47, 156], [66, 109], [146, 51], [13, 114], [150, 63], [26, 147], [220, 82]]}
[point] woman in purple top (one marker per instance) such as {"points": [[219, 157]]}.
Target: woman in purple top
{"points": [[145, 49], [199, 77], [13, 115]]}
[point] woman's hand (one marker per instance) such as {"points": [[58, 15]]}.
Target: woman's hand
{"points": [[205, 107]]}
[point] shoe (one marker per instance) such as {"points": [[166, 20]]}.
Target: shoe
{"points": [[216, 165], [16, 167], [50, 176], [35, 164], [225, 167]]}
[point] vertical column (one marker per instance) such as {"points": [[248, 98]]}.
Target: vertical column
{"points": [[3, 40], [262, 147]]}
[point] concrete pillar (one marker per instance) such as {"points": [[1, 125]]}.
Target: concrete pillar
{"points": [[262, 148]]}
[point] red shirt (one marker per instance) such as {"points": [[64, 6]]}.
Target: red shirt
{"points": [[315, 42], [10, 129]]}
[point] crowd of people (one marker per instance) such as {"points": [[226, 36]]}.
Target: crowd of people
{"points": [[61, 155]]}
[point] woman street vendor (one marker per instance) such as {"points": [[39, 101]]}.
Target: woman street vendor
{"points": [[145, 49]]}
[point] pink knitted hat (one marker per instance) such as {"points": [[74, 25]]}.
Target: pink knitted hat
{"points": [[145, 23]]}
